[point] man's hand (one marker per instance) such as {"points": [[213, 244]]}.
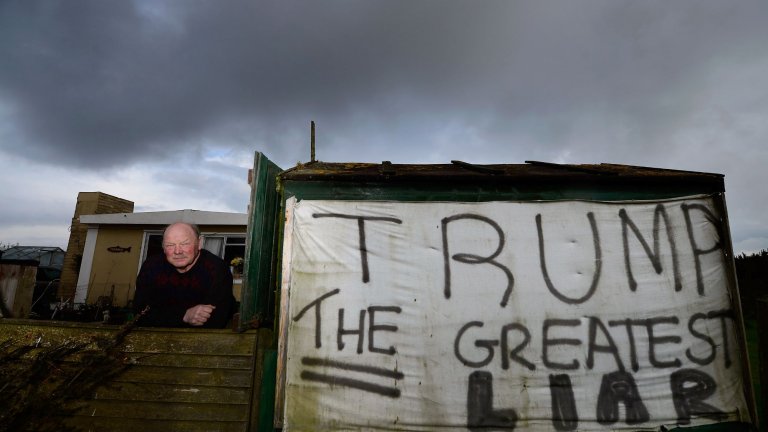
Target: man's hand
{"points": [[198, 315]]}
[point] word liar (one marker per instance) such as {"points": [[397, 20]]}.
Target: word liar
{"points": [[689, 387]]}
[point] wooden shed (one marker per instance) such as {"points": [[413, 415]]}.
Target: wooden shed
{"points": [[359, 240], [368, 250]]}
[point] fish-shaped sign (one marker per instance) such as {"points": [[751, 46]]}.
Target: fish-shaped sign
{"points": [[118, 249]]}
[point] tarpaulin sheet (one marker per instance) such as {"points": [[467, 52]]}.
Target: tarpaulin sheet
{"points": [[561, 315]]}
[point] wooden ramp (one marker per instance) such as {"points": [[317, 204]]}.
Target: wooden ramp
{"points": [[180, 379]]}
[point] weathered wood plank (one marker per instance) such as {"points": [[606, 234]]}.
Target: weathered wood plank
{"points": [[187, 376], [170, 360], [192, 361], [191, 342], [141, 340], [282, 335], [115, 424], [152, 392], [265, 341], [165, 411]]}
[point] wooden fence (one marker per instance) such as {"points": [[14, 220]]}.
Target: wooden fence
{"points": [[179, 379]]}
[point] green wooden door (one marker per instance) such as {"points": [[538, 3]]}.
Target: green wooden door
{"points": [[259, 272]]}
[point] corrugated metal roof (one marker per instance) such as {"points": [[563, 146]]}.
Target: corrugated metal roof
{"points": [[29, 252]]}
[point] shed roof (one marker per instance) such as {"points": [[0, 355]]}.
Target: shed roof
{"points": [[530, 172]]}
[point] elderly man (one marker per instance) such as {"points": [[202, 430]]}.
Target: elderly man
{"points": [[189, 286]]}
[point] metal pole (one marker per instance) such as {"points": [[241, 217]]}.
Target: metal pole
{"points": [[312, 142]]}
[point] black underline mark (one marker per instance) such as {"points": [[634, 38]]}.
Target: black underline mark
{"points": [[348, 382], [311, 361]]}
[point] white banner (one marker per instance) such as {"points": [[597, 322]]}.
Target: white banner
{"points": [[564, 315]]}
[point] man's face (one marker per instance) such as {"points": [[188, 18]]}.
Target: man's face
{"points": [[181, 247]]}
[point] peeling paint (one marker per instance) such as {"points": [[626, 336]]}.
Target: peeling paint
{"points": [[191, 390]]}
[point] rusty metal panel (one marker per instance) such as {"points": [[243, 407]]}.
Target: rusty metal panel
{"points": [[17, 285]]}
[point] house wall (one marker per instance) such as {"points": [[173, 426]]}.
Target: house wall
{"points": [[113, 273], [87, 203]]}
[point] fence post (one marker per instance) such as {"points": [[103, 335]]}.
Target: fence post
{"points": [[762, 351]]}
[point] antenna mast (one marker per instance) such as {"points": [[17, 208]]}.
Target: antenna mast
{"points": [[312, 141]]}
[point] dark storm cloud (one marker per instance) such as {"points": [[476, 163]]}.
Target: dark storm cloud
{"points": [[97, 82], [625, 74], [163, 102], [117, 80], [94, 83]]}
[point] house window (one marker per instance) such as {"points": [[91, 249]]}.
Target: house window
{"points": [[153, 245], [228, 247]]}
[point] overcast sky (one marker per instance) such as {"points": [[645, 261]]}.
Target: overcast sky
{"points": [[164, 102]]}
